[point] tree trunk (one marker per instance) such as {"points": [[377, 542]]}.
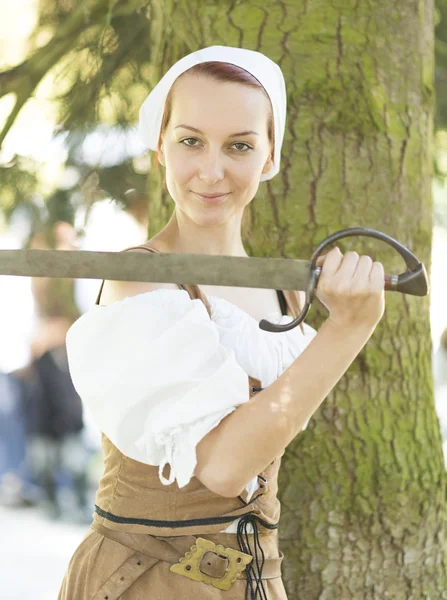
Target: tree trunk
{"points": [[363, 488]]}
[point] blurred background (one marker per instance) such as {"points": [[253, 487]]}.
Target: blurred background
{"points": [[73, 176], [83, 191]]}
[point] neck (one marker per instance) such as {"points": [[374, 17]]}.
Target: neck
{"points": [[183, 236]]}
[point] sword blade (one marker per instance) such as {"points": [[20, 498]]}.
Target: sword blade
{"points": [[254, 272]]}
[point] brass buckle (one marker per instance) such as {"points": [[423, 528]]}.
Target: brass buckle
{"points": [[189, 564]]}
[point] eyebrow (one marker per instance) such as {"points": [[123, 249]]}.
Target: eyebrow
{"points": [[232, 135]]}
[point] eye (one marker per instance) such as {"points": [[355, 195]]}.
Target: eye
{"points": [[239, 146], [245, 148], [188, 140]]}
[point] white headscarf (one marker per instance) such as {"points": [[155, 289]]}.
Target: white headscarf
{"points": [[262, 68]]}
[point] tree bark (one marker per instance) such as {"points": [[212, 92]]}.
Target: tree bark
{"points": [[363, 489]]}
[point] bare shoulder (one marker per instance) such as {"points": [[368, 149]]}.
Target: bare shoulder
{"points": [[113, 291]]}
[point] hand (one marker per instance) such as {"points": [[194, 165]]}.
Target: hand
{"points": [[352, 289]]}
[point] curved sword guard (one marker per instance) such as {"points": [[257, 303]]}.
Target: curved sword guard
{"points": [[414, 281]]}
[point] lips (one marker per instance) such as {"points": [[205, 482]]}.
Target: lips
{"points": [[212, 195], [211, 198]]}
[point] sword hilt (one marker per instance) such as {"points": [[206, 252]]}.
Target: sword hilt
{"points": [[414, 281]]}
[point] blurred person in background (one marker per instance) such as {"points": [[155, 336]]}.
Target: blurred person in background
{"points": [[12, 437], [56, 445]]}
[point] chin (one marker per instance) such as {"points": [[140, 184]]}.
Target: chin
{"points": [[213, 219]]}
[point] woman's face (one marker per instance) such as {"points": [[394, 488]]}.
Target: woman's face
{"points": [[216, 142]]}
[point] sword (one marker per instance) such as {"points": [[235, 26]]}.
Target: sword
{"points": [[235, 271]]}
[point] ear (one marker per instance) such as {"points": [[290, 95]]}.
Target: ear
{"points": [[161, 156], [268, 165]]}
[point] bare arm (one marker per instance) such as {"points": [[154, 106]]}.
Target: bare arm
{"points": [[252, 436], [257, 432]]}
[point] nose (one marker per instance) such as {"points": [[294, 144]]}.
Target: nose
{"points": [[210, 167]]}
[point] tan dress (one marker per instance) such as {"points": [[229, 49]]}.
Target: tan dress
{"points": [[141, 528]]}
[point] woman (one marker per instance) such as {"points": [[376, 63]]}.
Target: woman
{"points": [[196, 403]]}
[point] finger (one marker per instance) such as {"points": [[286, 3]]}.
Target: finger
{"points": [[320, 260], [348, 265], [322, 257], [330, 261], [363, 269], [377, 276]]}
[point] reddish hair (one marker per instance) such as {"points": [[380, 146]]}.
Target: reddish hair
{"points": [[226, 72]]}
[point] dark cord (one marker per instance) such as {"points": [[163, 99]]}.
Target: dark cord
{"points": [[257, 593]]}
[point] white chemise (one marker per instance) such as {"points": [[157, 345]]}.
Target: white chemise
{"points": [[157, 374]]}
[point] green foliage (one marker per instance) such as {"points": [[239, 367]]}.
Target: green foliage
{"points": [[19, 182], [106, 77], [98, 53]]}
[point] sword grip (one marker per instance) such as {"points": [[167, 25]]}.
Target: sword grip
{"points": [[414, 282], [390, 282]]}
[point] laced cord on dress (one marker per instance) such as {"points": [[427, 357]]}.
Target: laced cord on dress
{"points": [[259, 592]]}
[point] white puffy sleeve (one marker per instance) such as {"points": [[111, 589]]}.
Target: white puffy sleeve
{"points": [[155, 377], [265, 355]]}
